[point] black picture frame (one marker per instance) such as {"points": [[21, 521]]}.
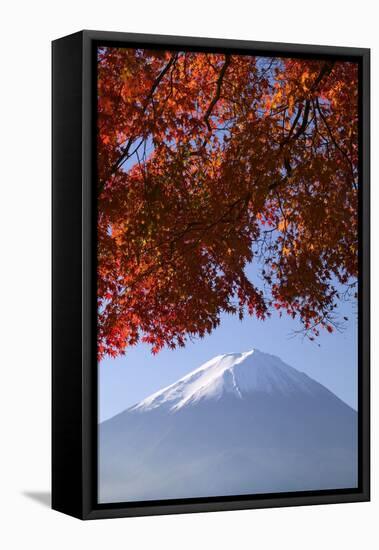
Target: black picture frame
{"points": [[74, 367]]}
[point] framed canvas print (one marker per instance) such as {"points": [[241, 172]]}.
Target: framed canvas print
{"points": [[210, 275]]}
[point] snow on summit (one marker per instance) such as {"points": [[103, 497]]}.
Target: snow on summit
{"points": [[237, 374]]}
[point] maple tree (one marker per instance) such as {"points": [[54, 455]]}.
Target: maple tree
{"points": [[211, 162]]}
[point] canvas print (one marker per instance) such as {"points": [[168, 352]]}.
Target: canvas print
{"points": [[227, 269]]}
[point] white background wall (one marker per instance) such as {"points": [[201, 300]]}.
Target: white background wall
{"points": [[26, 31]]}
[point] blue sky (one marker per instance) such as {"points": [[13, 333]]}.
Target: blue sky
{"points": [[332, 360]]}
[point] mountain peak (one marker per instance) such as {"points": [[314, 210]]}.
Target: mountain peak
{"points": [[234, 374], [240, 423]]}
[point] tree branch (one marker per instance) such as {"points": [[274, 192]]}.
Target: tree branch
{"points": [[325, 71], [218, 92], [334, 141], [125, 151]]}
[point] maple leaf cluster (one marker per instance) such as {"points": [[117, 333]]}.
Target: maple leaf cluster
{"points": [[209, 163]]}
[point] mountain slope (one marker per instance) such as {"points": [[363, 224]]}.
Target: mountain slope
{"points": [[241, 423]]}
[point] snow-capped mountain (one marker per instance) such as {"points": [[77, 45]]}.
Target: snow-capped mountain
{"points": [[242, 423], [238, 374]]}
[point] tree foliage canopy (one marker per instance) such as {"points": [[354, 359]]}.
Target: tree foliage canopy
{"points": [[208, 163]]}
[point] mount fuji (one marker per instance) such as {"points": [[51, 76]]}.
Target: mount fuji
{"points": [[242, 423]]}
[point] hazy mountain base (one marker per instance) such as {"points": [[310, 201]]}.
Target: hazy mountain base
{"points": [[263, 443]]}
